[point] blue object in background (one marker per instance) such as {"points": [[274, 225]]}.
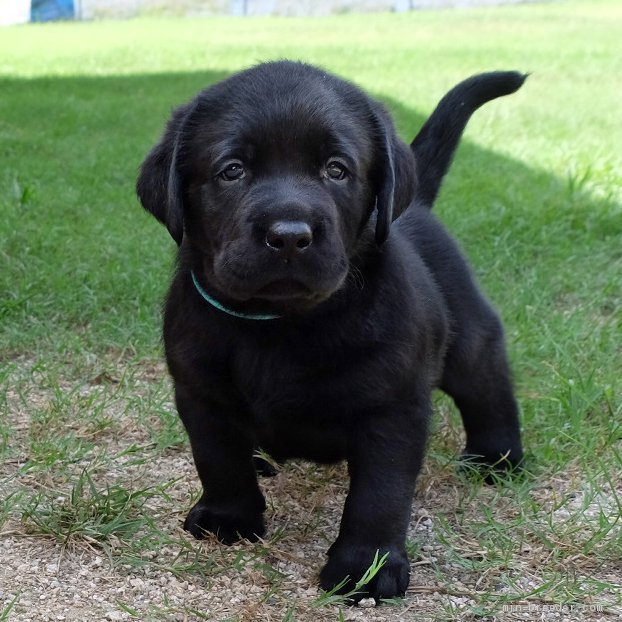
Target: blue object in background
{"points": [[49, 10]]}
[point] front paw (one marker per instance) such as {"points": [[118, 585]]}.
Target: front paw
{"points": [[353, 562], [228, 526]]}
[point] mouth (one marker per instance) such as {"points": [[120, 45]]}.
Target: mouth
{"points": [[286, 289]]}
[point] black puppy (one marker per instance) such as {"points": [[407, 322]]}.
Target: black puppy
{"points": [[317, 302]]}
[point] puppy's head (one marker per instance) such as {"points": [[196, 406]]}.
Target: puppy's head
{"points": [[273, 179]]}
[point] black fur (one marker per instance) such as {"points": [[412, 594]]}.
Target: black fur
{"points": [[287, 190]]}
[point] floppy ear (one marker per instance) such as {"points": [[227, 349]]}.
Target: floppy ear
{"points": [[396, 176], [159, 186]]}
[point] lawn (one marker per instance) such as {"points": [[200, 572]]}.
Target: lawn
{"points": [[95, 471]]}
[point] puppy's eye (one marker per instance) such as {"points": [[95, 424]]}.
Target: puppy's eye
{"points": [[232, 172], [336, 170]]}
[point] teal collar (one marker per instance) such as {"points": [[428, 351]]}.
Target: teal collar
{"points": [[220, 307]]}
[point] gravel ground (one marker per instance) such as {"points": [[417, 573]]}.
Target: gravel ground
{"points": [[163, 574]]}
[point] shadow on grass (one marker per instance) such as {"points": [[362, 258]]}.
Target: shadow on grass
{"points": [[83, 268]]}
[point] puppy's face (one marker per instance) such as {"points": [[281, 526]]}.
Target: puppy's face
{"points": [[273, 176], [277, 191]]}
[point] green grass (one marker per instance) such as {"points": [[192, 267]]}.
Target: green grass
{"points": [[534, 197]]}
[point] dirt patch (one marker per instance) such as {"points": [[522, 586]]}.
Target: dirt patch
{"points": [[93, 531]]}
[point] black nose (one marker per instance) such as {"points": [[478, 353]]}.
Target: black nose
{"points": [[289, 237]]}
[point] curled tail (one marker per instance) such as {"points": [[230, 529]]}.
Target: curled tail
{"points": [[435, 144]]}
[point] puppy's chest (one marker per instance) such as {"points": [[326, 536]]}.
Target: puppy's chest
{"points": [[306, 392], [301, 406], [280, 382]]}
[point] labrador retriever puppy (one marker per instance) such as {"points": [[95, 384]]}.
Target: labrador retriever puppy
{"points": [[317, 302]]}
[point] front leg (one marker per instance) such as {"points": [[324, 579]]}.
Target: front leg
{"points": [[384, 461], [231, 505]]}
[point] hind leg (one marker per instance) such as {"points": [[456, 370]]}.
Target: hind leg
{"points": [[477, 377], [264, 467]]}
